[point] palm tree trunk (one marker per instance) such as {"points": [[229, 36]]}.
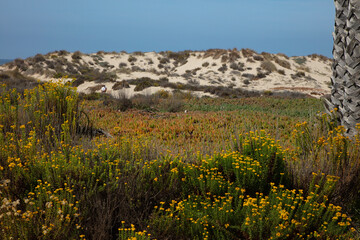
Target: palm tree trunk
{"points": [[351, 103], [339, 68], [345, 94]]}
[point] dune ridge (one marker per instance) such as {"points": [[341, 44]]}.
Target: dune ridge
{"points": [[214, 72]]}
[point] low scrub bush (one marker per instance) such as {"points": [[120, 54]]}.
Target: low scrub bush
{"points": [[267, 56], [121, 65], [250, 60], [281, 71], [163, 94], [234, 55], [246, 52], [164, 60], [63, 53], [15, 80], [300, 60], [143, 85], [283, 55], [19, 63], [120, 85], [323, 58], [268, 66], [132, 59], [38, 58], [298, 75], [92, 75], [224, 58], [223, 68], [260, 75], [50, 64], [205, 64], [138, 53], [180, 58], [258, 58], [215, 53], [283, 63], [76, 55]]}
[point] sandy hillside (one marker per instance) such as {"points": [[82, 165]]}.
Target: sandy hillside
{"points": [[214, 72]]}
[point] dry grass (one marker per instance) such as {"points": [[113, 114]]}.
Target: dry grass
{"points": [[246, 52]]}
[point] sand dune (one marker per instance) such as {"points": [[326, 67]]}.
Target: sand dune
{"points": [[196, 71]]}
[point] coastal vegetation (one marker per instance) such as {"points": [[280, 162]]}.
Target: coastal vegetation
{"points": [[258, 167]]}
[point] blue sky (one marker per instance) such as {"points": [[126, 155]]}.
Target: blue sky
{"points": [[293, 27]]}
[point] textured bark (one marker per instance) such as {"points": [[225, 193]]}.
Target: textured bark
{"points": [[339, 69], [351, 103], [345, 94]]}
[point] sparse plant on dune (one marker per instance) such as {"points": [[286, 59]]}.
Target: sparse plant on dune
{"points": [[283, 63], [246, 52], [281, 71], [300, 60], [138, 53], [205, 64], [268, 66], [38, 58], [76, 55], [132, 59], [258, 58]]}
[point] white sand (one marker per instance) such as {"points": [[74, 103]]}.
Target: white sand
{"points": [[316, 81]]}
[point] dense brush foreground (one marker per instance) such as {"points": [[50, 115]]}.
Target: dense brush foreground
{"points": [[252, 168]]}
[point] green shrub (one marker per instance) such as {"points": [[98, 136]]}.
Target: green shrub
{"points": [[163, 94], [268, 66], [76, 55], [143, 85], [59, 75], [38, 58], [164, 60], [258, 58], [205, 64], [223, 68], [120, 85], [281, 71], [283, 63], [138, 53], [121, 65], [132, 59], [63, 53], [300, 60], [247, 52], [180, 57]]}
